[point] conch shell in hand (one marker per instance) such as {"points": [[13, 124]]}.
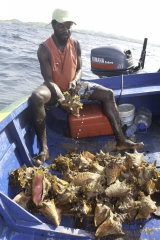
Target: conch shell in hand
{"points": [[73, 103]]}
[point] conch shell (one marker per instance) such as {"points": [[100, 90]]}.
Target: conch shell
{"points": [[70, 195], [150, 187], [21, 176], [147, 172], [73, 102], [96, 167], [109, 226], [146, 206], [128, 205], [102, 211], [117, 189], [86, 178], [58, 186], [22, 200], [99, 157], [113, 170], [88, 155], [46, 188], [62, 164], [37, 186], [135, 159], [81, 207], [49, 210], [81, 162]]}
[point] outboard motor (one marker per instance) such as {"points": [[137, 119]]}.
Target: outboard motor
{"points": [[114, 60]]}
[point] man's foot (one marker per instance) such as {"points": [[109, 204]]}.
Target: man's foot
{"points": [[127, 144], [41, 157]]}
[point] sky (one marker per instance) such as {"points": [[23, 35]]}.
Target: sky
{"points": [[137, 19]]}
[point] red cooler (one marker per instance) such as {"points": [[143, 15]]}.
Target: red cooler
{"points": [[91, 122]]}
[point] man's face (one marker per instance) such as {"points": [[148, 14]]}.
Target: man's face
{"points": [[63, 31]]}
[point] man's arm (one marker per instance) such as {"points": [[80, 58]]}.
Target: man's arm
{"points": [[47, 72], [78, 75]]}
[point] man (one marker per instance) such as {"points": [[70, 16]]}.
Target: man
{"points": [[61, 68]]}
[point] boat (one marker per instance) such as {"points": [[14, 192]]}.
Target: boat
{"points": [[19, 144]]}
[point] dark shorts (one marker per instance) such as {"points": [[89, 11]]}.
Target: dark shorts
{"points": [[84, 92], [86, 89]]}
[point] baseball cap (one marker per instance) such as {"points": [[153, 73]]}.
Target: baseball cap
{"points": [[61, 16]]}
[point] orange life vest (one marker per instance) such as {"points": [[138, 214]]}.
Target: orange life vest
{"points": [[63, 64]]}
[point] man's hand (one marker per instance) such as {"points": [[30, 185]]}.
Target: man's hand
{"points": [[64, 105], [72, 84]]}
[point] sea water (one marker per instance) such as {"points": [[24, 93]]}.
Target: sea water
{"points": [[19, 67]]}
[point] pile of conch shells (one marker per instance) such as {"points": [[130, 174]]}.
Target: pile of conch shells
{"points": [[107, 189]]}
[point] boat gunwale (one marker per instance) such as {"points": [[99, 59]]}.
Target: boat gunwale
{"points": [[10, 112]]}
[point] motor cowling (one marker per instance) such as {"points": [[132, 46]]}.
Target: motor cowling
{"points": [[112, 60]]}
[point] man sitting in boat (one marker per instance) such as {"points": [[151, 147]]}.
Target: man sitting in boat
{"points": [[61, 68]]}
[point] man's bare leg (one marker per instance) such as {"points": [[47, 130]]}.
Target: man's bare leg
{"points": [[40, 97], [110, 110]]}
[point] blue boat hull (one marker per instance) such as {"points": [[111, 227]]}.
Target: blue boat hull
{"points": [[18, 144]]}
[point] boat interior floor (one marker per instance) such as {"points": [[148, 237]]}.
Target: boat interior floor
{"points": [[60, 141]]}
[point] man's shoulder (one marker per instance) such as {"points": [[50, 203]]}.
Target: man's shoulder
{"points": [[76, 43], [73, 39], [42, 52], [43, 45], [47, 40]]}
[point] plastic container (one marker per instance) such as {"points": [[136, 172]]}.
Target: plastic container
{"points": [[127, 113], [91, 122], [131, 130], [143, 119]]}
